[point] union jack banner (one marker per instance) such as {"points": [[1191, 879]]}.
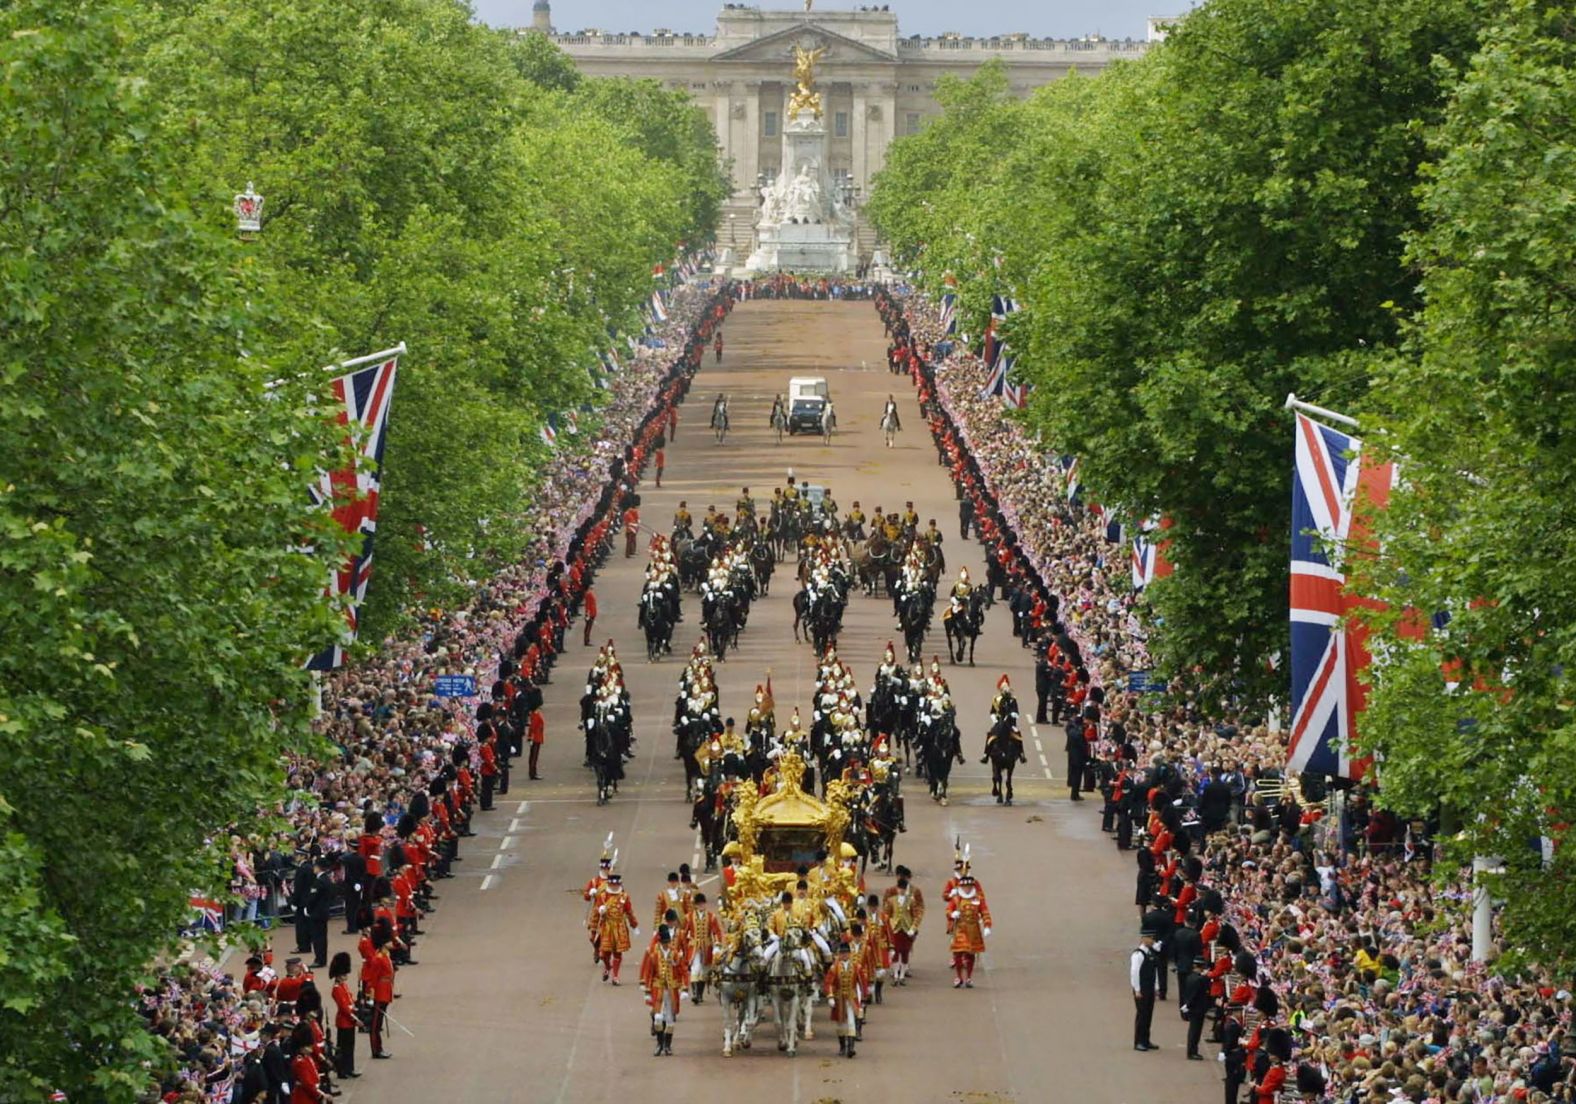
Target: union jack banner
{"points": [[996, 382], [549, 431], [1326, 655], [209, 914], [352, 492], [949, 313], [1015, 395], [659, 311], [1149, 557]]}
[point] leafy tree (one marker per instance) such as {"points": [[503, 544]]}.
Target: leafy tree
{"points": [[1196, 234], [153, 598], [1482, 415]]}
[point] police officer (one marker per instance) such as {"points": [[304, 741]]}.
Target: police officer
{"points": [[1143, 968]]}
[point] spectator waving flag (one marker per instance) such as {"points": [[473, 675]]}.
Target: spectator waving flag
{"points": [[365, 396], [949, 313], [1070, 475], [1331, 477]]}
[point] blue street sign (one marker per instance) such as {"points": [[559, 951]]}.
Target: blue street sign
{"points": [[1144, 682], [456, 686]]}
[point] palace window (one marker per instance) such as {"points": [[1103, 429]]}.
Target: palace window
{"points": [[769, 127], [840, 124], [912, 123]]}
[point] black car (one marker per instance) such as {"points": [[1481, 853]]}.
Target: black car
{"points": [[805, 415]]}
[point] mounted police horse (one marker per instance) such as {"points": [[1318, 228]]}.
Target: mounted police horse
{"points": [[964, 621], [719, 418]]}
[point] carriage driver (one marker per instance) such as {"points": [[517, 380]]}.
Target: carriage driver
{"points": [[1004, 720]]}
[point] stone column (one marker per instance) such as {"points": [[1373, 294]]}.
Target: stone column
{"points": [[888, 130], [857, 130], [722, 99], [750, 162]]}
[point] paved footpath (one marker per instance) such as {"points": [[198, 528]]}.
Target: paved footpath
{"points": [[506, 1004]]}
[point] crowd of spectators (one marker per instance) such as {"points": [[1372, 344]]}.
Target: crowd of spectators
{"points": [[1328, 956], [372, 827]]}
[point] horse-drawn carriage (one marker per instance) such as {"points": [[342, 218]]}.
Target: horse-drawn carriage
{"points": [[775, 956]]}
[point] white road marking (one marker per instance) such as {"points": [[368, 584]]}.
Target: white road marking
{"points": [[497, 861], [514, 825], [487, 882], [524, 805], [509, 841], [1043, 763]]}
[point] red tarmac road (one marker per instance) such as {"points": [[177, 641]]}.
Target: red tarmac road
{"points": [[506, 1004]]}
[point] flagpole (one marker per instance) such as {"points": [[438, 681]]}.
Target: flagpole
{"points": [[386, 354], [1294, 403]]}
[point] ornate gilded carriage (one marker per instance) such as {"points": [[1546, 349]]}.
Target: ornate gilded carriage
{"points": [[784, 831]]}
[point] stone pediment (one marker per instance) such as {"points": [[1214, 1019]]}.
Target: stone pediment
{"points": [[778, 47]]}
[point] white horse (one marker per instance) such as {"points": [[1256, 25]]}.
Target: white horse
{"points": [[788, 979], [738, 992], [828, 420], [890, 424]]}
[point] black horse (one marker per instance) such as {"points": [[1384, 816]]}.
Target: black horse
{"points": [[964, 621], [606, 759], [943, 745], [657, 620], [1003, 754], [762, 560], [709, 816], [914, 610], [720, 616]]}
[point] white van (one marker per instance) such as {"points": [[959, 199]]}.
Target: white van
{"points": [[807, 397]]}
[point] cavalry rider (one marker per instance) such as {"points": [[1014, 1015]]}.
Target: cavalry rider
{"points": [[962, 588], [1004, 720], [701, 936], [779, 411], [854, 523], [910, 519], [745, 504], [968, 922], [683, 523], [885, 772], [903, 905], [664, 978], [616, 924]]}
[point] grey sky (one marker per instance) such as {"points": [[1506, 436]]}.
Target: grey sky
{"points": [[1046, 18]]}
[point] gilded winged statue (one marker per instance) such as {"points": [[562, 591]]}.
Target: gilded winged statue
{"points": [[805, 97]]}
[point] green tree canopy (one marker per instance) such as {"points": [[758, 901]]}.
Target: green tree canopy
{"points": [[426, 180], [1482, 416]]}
